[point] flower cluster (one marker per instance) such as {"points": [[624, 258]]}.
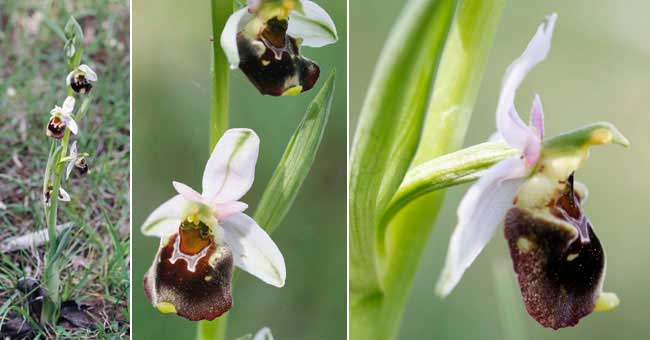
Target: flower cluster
{"points": [[264, 38], [62, 123], [559, 261]]}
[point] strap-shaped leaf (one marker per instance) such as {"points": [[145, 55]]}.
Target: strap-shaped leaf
{"points": [[459, 167], [390, 124], [296, 161]]}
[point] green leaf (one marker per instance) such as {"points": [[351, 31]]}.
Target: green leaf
{"points": [[245, 337], [462, 65], [390, 125], [455, 168], [296, 161]]}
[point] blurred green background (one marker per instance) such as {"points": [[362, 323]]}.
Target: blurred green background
{"points": [[171, 94], [598, 69]]}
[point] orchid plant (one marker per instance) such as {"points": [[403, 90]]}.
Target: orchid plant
{"points": [[403, 155], [203, 234], [63, 123]]}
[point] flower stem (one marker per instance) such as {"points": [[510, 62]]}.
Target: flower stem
{"points": [[220, 98], [219, 106], [378, 316]]}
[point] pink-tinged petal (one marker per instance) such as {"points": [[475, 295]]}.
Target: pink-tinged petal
{"points": [[480, 213], [225, 210], [166, 219], [537, 117], [187, 192], [509, 124], [532, 151], [253, 249], [230, 171]]}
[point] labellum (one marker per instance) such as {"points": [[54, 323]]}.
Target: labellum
{"points": [[559, 261], [272, 61], [80, 83], [81, 166], [191, 274], [56, 127]]}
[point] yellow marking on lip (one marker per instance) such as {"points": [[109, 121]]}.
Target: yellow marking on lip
{"points": [[265, 62], [166, 308], [606, 302], [292, 91], [525, 245], [571, 257]]}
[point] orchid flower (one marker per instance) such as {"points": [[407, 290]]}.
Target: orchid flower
{"points": [[79, 79], [534, 192], [76, 160], [63, 195], [203, 233], [62, 119], [263, 39]]}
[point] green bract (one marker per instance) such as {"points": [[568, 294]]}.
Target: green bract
{"points": [[296, 161]]}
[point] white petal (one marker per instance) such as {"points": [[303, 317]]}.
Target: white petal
{"points": [[187, 192], [68, 170], [230, 171], [314, 27], [263, 334], [253, 5], [68, 79], [68, 105], [509, 124], [90, 74], [253, 249], [480, 213], [73, 150], [166, 219], [72, 125], [229, 37], [63, 195]]}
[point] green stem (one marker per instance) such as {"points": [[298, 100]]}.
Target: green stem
{"points": [[219, 106], [220, 98], [378, 316], [213, 330]]}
